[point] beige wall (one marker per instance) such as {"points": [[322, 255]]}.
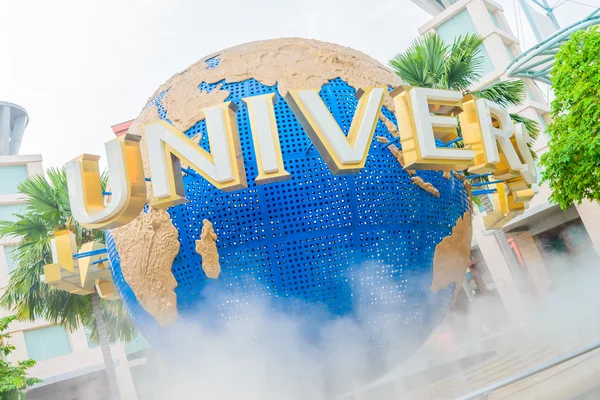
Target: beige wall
{"points": [[589, 212]]}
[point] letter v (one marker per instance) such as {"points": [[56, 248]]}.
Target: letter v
{"points": [[342, 154]]}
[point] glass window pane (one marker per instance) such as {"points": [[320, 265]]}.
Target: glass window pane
{"points": [[11, 176], [509, 51], [88, 338], [543, 124], [138, 344], [46, 343], [458, 25], [7, 211], [10, 261]]}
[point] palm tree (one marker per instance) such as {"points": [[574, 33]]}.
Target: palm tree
{"points": [[431, 63], [47, 210]]}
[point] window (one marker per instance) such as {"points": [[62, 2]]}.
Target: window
{"points": [[7, 211], [45, 343], [137, 345], [543, 124], [459, 25], [10, 261], [11, 176], [88, 338], [509, 51]]}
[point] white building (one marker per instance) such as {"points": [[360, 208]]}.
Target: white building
{"points": [[71, 367], [544, 230]]}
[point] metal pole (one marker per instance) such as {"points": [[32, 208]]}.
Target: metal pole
{"points": [[550, 11], [483, 393], [532, 23]]}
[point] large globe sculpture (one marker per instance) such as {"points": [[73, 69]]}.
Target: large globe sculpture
{"points": [[385, 247]]}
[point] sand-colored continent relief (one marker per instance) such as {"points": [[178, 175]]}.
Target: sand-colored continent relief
{"points": [[452, 256], [391, 127], [207, 248], [417, 180], [291, 63], [185, 102], [396, 152], [147, 247], [426, 186]]}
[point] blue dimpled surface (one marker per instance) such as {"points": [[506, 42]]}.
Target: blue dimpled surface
{"points": [[316, 239]]}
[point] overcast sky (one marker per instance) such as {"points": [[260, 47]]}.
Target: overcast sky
{"points": [[79, 67]]}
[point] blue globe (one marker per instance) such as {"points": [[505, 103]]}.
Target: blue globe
{"points": [[357, 246]]}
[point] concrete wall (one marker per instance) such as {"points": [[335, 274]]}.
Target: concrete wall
{"points": [[589, 212]]}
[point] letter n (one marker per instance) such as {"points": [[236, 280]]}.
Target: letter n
{"points": [[223, 166]]}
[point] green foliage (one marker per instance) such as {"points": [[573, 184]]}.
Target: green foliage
{"points": [[572, 165], [13, 378], [46, 211], [533, 128], [504, 93], [431, 63]]}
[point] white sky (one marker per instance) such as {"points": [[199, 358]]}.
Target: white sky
{"points": [[79, 67]]}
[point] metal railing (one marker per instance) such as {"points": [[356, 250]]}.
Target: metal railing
{"points": [[486, 391]]}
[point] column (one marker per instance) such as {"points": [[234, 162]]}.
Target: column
{"points": [[503, 278], [5, 130], [35, 168], [533, 261], [123, 372], [589, 212], [78, 340], [17, 339]]}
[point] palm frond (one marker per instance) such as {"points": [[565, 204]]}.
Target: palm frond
{"points": [[533, 128], [47, 210], [41, 198], [412, 71], [422, 64], [429, 62], [504, 93], [118, 324], [463, 63], [432, 51]]}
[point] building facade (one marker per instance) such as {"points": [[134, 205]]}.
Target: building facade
{"points": [[70, 365], [545, 239]]}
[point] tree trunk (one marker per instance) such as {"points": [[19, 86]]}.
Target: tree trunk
{"points": [[508, 253], [105, 347]]}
